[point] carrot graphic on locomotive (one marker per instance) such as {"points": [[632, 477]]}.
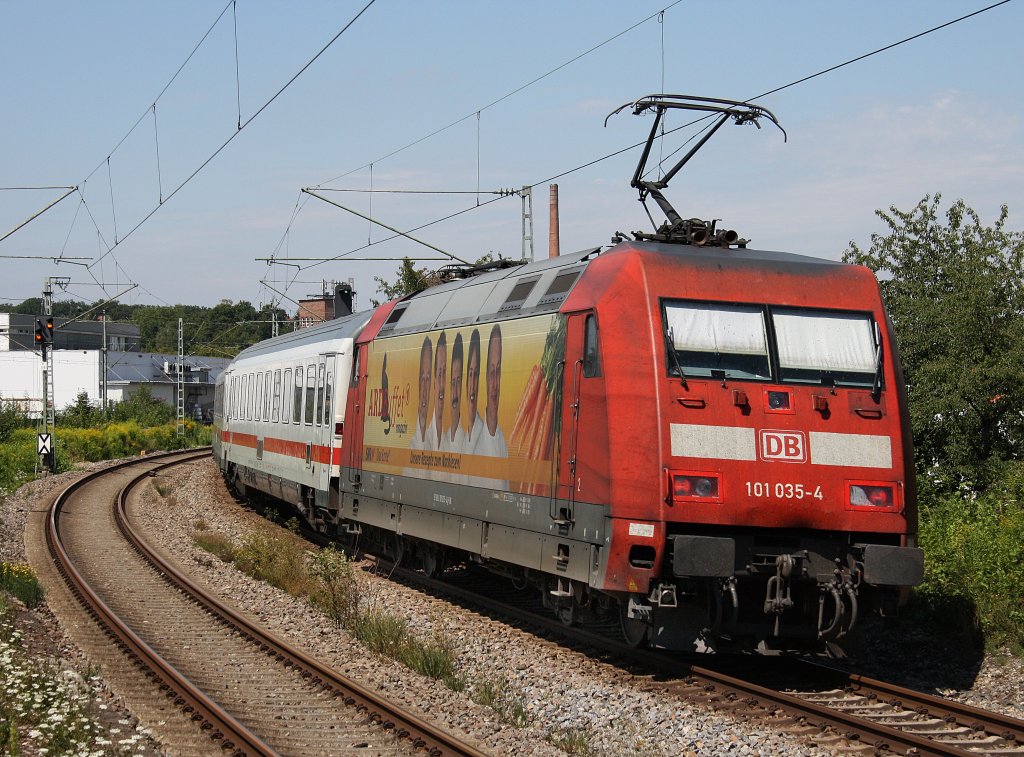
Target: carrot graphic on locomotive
{"points": [[709, 441]]}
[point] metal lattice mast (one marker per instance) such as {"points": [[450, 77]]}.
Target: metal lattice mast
{"points": [[49, 416], [526, 193], [180, 371]]}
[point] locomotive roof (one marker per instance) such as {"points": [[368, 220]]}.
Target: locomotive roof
{"points": [[543, 285], [537, 287]]}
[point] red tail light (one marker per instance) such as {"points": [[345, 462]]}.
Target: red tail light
{"points": [[879, 495], [703, 487]]}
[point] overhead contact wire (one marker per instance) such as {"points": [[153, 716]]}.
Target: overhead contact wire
{"points": [[239, 130]]}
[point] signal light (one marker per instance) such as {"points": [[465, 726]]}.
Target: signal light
{"points": [[689, 487], [40, 332], [48, 332], [873, 495]]}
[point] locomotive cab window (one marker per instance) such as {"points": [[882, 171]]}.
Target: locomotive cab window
{"points": [[591, 355], [717, 340], [826, 347]]}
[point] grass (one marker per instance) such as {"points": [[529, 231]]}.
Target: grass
{"points": [[21, 581], [216, 544], [496, 692], [573, 740], [326, 579]]}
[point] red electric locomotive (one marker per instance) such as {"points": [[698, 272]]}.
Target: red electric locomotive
{"points": [[708, 440]]}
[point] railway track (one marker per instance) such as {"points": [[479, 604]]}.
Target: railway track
{"points": [[833, 707], [247, 691]]}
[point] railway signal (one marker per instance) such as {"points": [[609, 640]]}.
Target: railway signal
{"points": [[41, 337]]}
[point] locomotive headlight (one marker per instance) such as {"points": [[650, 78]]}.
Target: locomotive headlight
{"points": [[872, 495], [694, 487]]}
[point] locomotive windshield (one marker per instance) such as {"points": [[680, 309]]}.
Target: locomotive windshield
{"points": [[825, 347], [718, 340], [731, 341]]}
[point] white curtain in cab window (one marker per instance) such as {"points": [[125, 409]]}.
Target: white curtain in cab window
{"points": [[824, 341], [732, 329]]}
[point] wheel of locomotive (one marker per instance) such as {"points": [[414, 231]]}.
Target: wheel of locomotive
{"points": [[519, 583], [432, 560], [398, 549], [634, 631], [237, 487], [567, 613]]}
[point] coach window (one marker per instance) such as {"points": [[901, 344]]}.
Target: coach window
{"points": [[275, 408], [297, 403], [286, 397], [258, 404], [267, 378], [325, 401], [310, 394], [591, 356], [319, 392]]}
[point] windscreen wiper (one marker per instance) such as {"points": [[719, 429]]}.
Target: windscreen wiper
{"points": [[670, 345]]}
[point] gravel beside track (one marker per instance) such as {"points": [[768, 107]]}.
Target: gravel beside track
{"points": [[561, 691]]}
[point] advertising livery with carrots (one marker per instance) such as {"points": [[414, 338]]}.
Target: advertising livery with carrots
{"points": [[472, 405]]}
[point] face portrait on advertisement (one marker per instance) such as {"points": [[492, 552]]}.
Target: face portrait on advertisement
{"points": [[456, 388], [440, 382], [473, 378], [493, 379], [426, 359]]}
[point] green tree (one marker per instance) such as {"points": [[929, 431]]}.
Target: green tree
{"points": [[954, 289], [82, 413], [409, 280], [143, 407]]}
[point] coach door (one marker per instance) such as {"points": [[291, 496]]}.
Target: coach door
{"points": [[323, 421], [582, 474], [353, 447]]}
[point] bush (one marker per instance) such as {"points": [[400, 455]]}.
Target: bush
{"points": [[18, 461], [974, 558], [11, 418], [335, 590]]}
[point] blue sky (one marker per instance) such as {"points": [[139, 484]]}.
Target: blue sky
{"points": [[939, 114]]}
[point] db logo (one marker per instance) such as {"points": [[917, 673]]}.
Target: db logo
{"points": [[785, 446]]}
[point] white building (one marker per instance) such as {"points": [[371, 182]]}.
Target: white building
{"points": [[81, 370], [76, 371]]}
